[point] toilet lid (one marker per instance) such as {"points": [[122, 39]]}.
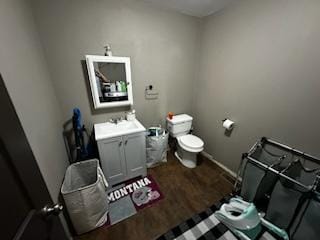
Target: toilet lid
{"points": [[191, 141]]}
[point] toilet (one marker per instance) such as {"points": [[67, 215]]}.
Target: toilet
{"points": [[188, 145]]}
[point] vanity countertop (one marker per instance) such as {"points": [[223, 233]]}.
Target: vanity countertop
{"points": [[124, 127]]}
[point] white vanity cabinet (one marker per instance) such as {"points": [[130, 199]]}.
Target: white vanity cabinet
{"points": [[135, 154], [123, 157]]}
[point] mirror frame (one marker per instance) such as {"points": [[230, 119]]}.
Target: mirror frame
{"points": [[90, 59]]}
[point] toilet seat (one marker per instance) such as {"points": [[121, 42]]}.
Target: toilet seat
{"points": [[191, 143]]}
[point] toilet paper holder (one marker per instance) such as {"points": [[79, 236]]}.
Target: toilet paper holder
{"points": [[229, 125]]}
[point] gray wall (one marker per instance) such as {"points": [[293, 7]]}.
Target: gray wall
{"points": [[259, 65], [24, 70], [161, 44], [256, 62]]}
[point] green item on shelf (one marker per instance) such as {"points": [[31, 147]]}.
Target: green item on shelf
{"points": [[123, 86]]}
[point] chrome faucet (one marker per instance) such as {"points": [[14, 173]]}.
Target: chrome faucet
{"points": [[116, 120]]}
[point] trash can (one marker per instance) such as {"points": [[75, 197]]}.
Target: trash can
{"points": [[157, 146], [84, 192]]}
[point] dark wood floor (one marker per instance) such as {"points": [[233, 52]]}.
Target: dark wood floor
{"points": [[186, 192]]}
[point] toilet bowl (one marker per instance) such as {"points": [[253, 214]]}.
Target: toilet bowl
{"points": [[188, 145], [188, 148]]}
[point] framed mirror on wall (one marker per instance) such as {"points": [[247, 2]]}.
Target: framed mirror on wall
{"points": [[110, 81]]}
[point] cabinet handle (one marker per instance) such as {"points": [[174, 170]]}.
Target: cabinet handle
{"points": [[120, 143], [125, 142]]}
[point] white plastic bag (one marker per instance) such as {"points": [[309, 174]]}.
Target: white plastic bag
{"points": [[157, 147]]}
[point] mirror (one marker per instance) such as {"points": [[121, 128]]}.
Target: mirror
{"points": [[110, 81]]}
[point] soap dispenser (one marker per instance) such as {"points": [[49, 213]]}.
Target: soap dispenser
{"points": [[108, 51]]}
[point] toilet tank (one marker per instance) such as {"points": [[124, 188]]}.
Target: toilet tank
{"points": [[179, 125]]}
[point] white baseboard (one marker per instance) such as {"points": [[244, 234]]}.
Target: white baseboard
{"points": [[207, 155]]}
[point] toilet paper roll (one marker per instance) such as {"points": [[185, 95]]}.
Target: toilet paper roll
{"points": [[228, 124]]}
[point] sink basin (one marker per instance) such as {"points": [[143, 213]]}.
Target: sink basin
{"points": [[124, 127]]}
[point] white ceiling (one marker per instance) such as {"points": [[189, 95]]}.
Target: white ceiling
{"points": [[197, 8]]}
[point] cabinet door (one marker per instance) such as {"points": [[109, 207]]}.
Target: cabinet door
{"points": [[112, 159], [135, 154]]}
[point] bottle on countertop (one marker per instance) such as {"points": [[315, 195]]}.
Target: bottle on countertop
{"points": [[130, 116]]}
